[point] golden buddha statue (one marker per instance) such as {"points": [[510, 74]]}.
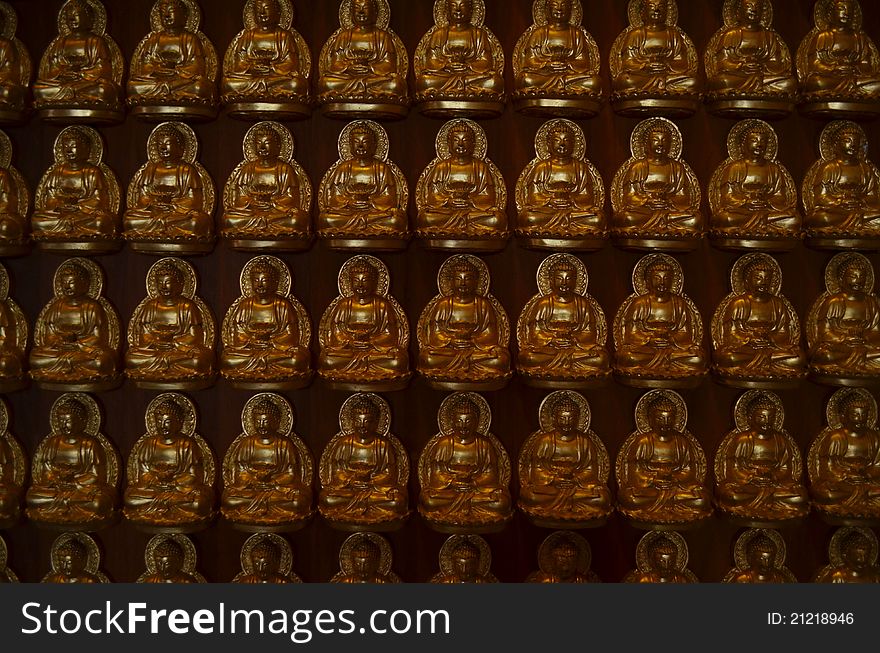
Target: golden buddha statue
{"points": [[266, 333], [561, 331], [362, 198], [852, 555], [658, 331], [463, 333], [655, 196], [363, 65], [560, 195], [171, 197], [661, 557], [75, 470], [838, 64], [661, 467], [76, 206], [459, 64], [564, 467], [564, 557], [15, 69], [75, 558], [13, 340], [364, 334], [461, 197], [843, 325], [14, 205], [267, 470], [266, 558], [170, 558], [365, 558], [556, 63], [170, 471], [267, 198], [756, 334], [171, 332], [80, 74], [843, 463], [267, 65], [759, 557], [364, 469], [752, 197], [654, 64], [464, 471], [173, 70], [6, 574], [465, 559], [76, 335], [748, 65], [13, 471], [758, 467]]}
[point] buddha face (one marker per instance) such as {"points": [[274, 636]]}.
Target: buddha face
{"points": [[464, 282], [658, 279], [459, 11], [464, 421], [662, 416], [264, 560], [69, 420], [853, 278], [654, 11], [849, 144], [857, 551], [759, 278], [566, 417], [564, 560], [169, 147], [265, 421], [74, 283], [664, 557], [559, 10], [363, 143], [855, 414], [762, 555], [266, 13], [466, 562], [71, 560], [562, 142], [173, 14], [762, 418], [363, 13], [75, 149], [168, 561], [563, 279], [267, 145], [365, 561], [79, 17], [170, 286], [168, 420], [365, 421], [750, 11], [363, 282], [658, 143], [264, 283], [842, 13], [461, 142], [755, 143]]}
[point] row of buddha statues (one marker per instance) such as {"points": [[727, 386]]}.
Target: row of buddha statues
{"points": [[563, 557], [463, 334], [463, 471], [461, 196], [458, 65]]}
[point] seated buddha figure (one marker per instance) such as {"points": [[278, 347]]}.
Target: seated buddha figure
{"points": [[461, 196], [752, 197], [267, 65], [77, 200], [459, 63], [364, 64], [560, 198], [174, 67], [75, 558], [364, 334], [564, 557], [755, 331], [464, 471], [748, 65], [658, 331], [364, 469], [267, 470], [841, 191], [556, 63], [655, 195], [266, 558], [76, 336], [75, 470], [759, 555], [758, 468], [563, 468], [654, 61], [267, 198], [13, 470], [80, 73], [171, 197], [852, 556], [843, 325], [561, 332], [661, 467], [838, 63], [13, 340], [844, 459], [170, 470], [170, 558], [463, 332], [171, 332], [15, 68], [363, 196], [266, 331], [14, 204], [661, 557], [365, 558], [465, 559]]}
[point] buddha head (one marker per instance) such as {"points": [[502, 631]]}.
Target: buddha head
{"points": [[566, 415], [659, 140], [75, 146], [267, 13], [465, 560], [364, 13], [461, 140], [663, 556], [168, 559], [264, 279], [464, 417], [852, 276], [850, 142], [169, 281], [74, 279], [662, 415], [761, 554], [266, 418], [71, 557], [758, 276], [563, 276], [265, 559], [362, 141], [365, 558], [654, 12], [70, 417], [855, 549], [365, 416], [561, 139], [465, 277], [559, 11], [762, 413], [564, 558], [855, 410], [658, 276], [755, 142], [79, 16], [363, 278], [173, 14], [459, 12], [170, 143], [750, 12], [267, 143], [842, 12], [169, 418]]}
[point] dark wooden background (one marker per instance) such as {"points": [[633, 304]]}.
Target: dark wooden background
{"points": [[413, 284]]}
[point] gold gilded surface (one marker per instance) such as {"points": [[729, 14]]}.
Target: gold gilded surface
{"points": [[365, 558], [364, 469], [267, 470], [170, 558], [77, 334], [661, 557], [564, 557], [759, 557], [758, 466], [15, 69], [13, 472], [464, 471], [6, 574], [15, 204], [13, 340], [266, 558], [75, 558], [170, 471], [465, 559], [852, 556]]}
